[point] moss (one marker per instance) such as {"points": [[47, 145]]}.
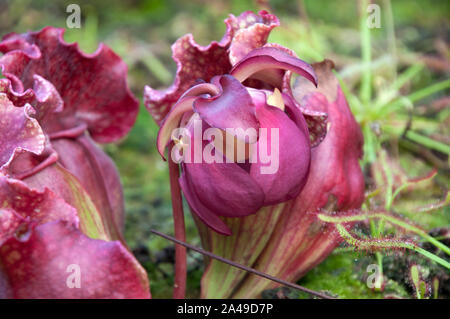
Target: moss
{"points": [[343, 274]]}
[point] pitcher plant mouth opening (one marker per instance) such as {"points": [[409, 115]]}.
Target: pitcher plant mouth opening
{"points": [[61, 200], [247, 144], [245, 130]]}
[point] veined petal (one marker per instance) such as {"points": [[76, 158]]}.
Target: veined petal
{"points": [[250, 31], [271, 58], [13, 88], [316, 120], [42, 96], [64, 184], [335, 162], [40, 243], [194, 61], [47, 98], [18, 131], [93, 86], [97, 174], [16, 42], [20, 204], [45, 264]]}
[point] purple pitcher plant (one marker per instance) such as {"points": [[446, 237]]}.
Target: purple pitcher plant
{"points": [[246, 94], [61, 201], [262, 220]]}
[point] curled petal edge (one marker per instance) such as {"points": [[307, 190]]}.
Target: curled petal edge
{"points": [[271, 58]]}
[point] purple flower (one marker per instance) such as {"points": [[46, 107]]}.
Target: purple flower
{"points": [[61, 202], [287, 240], [247, 91], [243, 82]]}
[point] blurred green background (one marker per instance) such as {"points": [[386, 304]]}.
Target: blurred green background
{"points": [[414, 38]]}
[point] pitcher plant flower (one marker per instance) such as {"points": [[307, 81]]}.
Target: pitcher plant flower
{"points": [[288, 239], [241, 83], [226, 85], [262, 122], [244, 105], [299, 240], [62, 206]]}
